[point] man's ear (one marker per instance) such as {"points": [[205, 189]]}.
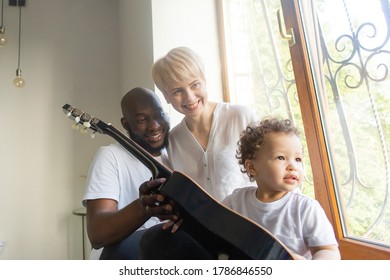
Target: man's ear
{"points": [[250, 168], [125, 124]]}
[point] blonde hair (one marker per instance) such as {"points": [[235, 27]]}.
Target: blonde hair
{"points": [[179, 64]]}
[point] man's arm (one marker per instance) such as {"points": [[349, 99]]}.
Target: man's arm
{"points": [[107, 225]]}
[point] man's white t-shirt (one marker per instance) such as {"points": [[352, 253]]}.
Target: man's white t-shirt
{"points": [[116, 174]]}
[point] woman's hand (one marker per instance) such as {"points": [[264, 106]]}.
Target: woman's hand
{"points": [[175, 224]]}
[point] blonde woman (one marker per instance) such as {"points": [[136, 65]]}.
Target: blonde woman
{"points": [[203, 144]]}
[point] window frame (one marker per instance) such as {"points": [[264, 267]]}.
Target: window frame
{"points": [[319, 158]]}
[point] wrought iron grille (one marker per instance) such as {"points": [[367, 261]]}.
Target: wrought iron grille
{"points": [[354, 99], [356, 68]]}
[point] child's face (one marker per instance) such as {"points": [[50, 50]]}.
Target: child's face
{"points": [[278, 166]]}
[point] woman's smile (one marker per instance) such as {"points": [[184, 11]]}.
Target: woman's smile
{"points": [[192, 107]]}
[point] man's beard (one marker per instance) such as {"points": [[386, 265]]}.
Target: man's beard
{"points": [[144, 144]]}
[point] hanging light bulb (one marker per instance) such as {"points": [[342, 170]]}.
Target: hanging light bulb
{"points": [[3, 40], [19, 81]]}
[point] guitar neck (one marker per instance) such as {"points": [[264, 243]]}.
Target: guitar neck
{"points": [[158, 169]]}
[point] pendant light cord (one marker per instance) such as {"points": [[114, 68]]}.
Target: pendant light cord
{"points": [[2, 12], [20, 32]]}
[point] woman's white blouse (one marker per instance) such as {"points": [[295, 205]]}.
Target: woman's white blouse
{"points": [[216, 169]]}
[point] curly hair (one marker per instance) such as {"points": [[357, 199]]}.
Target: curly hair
{"points": [[252, 138]]}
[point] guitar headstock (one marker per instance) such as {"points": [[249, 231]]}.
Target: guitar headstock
{"points": [[83, 121]]}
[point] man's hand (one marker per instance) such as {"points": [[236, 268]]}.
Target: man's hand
{"points": [[155, 203]]}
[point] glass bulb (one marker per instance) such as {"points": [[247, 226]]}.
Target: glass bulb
{"points": [[18, 81], [3, 41]]}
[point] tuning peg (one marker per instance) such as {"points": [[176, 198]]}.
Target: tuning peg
{"points": [[69, 113], [93, 134], [87, 124], [76, 123], [84, 130]]}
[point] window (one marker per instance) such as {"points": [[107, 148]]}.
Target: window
{"points": [[332, 82]]}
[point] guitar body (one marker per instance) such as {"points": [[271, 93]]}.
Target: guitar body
{"points": [[217, 228]]}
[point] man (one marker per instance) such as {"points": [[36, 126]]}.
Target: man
{"points": [[120, 204]]}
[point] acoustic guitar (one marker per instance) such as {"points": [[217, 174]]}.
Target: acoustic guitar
{"points": [[217, 228]]}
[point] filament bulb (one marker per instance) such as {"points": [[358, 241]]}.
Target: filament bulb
{"points": [[19, 81], [3, 40]]}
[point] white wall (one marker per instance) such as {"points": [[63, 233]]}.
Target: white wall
{"points": [[87, 53], [69, 55], [136, 43]]}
